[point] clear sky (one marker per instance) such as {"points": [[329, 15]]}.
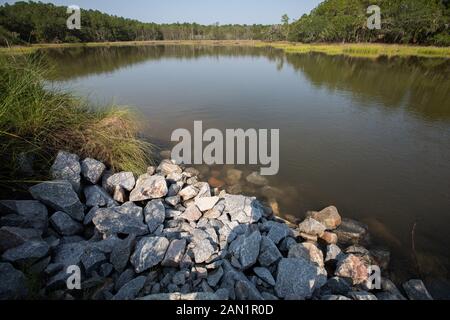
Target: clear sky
{"points": [[201, 11]]}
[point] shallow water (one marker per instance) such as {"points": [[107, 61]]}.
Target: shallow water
{"points": [[369, 136]]}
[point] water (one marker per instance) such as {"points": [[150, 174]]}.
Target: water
{"points": [[369, 136]]}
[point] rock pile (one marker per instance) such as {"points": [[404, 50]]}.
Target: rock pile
{"points": [[166, 235]]}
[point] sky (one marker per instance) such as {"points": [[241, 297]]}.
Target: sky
{"points": [[200, 11]]}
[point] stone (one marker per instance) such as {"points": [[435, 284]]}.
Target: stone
{"points": [[215, 182], [175, 253], [298, 278], [174, 189], [307, 251], [130, 290], [60, 196], [222, 294], [188, 193], [362, 295], [233, 176], [329, 237], [192, 213], [174, 177], [245, 290], [89, 216], [269, 253], [167, 167], [155, 214], [29, 251], [110, 221], [278, 232], [68, 254], [65, 225], [390, 291], [351, 232], [129, 208], [329, 217], [249, 250], [333, 252], [243, 209], [416, 290], [265, 275], [92, 170], [120, 194], [179, 278], [125, 277], [203, 250], [67, 167], [151, 170], [105, 270], [13, 284], [206, 203], [173, 201], [312, 227], [338, 286], [91, 260], [24, 214], [149, 252], [120, 253], [149, 187], [214, 277], [124, 180], [308, 237], [96, 196], [257, 179], [11, 237], [352, 267]]}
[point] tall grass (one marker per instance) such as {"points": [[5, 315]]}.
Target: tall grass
{"points": [[36, 122]]}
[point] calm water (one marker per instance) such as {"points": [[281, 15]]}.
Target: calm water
{"points": [[370, 136]]}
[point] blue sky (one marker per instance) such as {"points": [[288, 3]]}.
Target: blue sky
{"points": [[201, 11]]}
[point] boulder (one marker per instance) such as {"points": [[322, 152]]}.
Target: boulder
{"points": [[243, 209], [130, 290], [96, 196], [65, 225], [269, 253], [188, 193], [312, 227], [120, 254], [67, 167], [155, 214], [13, 283], [167, 167], [203, 250], [149, 187], [333, 252], [416, 290], [362, 295], [92, 259], [257, 179], [354, 268], [11, 237], [329, 237], [173, 201], [175, 253], [29, 251], [123, 180], [24, 214], [92, 170], [206, 203], [249, 250], [278, 232], [149, 252], [329, 217], [110, 221]]}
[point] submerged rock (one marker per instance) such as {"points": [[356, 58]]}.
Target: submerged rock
{"points": [[257, 179], [351, 232]]}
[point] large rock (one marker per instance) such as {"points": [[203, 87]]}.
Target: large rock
{"points": [[121, 253], [351, 232], [249, 250], [149, 187], [60, 196], [269, 253], [416, 290], [12, 283], [155, 214], [96, 196], [24, 214], [329, 217], [131, 289], [29, 251], [67, 167], [307, 251], [64, 224], [188, 193], [149, 252], [278, 232], [257, 179], [312, 227], [233, 176], [265, 275], [123, 180], [333, 252], [192, 213], [352, 267], [214, 277], [167, 167], [206, 203], [92, 259], [174, 253], [298, 278], [203, 250], [110, 221], [92, 170], [11, 237], [243, 209]]}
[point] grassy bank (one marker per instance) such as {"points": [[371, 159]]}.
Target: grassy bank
{"points": [[36, 122], [356, 50]]}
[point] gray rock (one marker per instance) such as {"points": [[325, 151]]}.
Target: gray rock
{"points": [[129, 208], [29, 251], [110, 221], [265, 275], [174, 189], [12, 283], [149, 252], [67, 167], [92, 260], [155, 214], [24, 214], [338, 286], [351, 232], [179, 278], [390, 291], [222, 294], [175, 253], [123, 180], [333, 253], [105, 270], [312, 227], [69, 254], [203, 250], [416, 290], [96, 196], [149, 187], [204, 190], [214, 277], [256, 179], [269, 297], [121, 253], [173, 201], [269, 252], [130, 290], [188, 193], [60, 196], [206, 203], [307, 251], [362, 295], [298, 278], [11, 237], [89, 216], [167, 167], [124, 278], [249, 250], [64, 224], [245, 290], [278, 232], [243, 209], [192, 213], [92, 170]]}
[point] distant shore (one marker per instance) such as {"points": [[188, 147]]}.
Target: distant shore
{"points": [[368, 50]]}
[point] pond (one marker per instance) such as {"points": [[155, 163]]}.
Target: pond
{"points": [[371, 136]]}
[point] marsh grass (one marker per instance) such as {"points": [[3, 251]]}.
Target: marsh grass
{"points": [[36, 121]]}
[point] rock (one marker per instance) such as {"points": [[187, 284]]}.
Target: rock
{"points": [[129, 208], [192, 213], [233, 176], [362, 295], [270, 192], [390, 291], [123, 180], [120, 195], [203, 250], [149, 187], [249, 250], [12, 283], [173, 201], [329, 217], [222, 294], [167, 167], [96, 196], [174, 253], [155, 214], [333, 253], [174, 189], [29, 251], [308, 237], [256, 179], [149, 252], [269, 253], [265, 275], [92, 259], [24, 214], [278, 232], [130, 290], [339, 286], [92, 170], [312, 227], [67, 167], [179, 278], [188, 193], [329, 237], [307, 251], [334, 297], [105, 270], [243, 209], [235, 189], [297, 278], [60, 196], [11, 237], [69, 254], [121, 253], [352, 267], [214, 277], [174, 177], [110, 221], [245, 290], [65, 225], [416, 290], [206, 203], [215, 182], [351, 232]]}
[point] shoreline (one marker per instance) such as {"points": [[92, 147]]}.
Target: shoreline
{"points": [[362, 50]]}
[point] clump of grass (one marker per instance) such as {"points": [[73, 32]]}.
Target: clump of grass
{"points": [[36, 122]]}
